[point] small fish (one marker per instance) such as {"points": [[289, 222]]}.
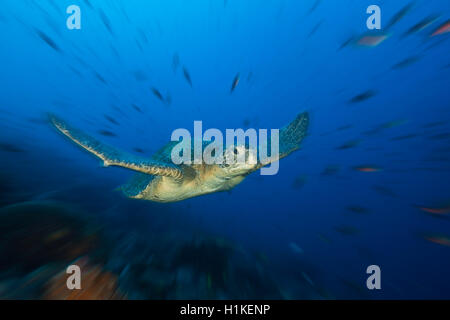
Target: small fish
{"points": [[367, 169], [168, 99], [406, 62], [48, 40], [384, 191], [10, 148], [404, 137], [314, 7], [250, 76], [314, 29], [105, 21], [434, 124], [299, 182], [76, 71], [347, 230], [235, 82], [110, 119], [371, 40], [107, 133], [349, 145], [99, 77], [421, 25], [175, 62], [330, 170], [295, 248], [350, 40], [445, 210], [341, 128], [345, 127], [386, 125], [324, 238], [88, 4], [437, 238], [140, 76], [119, 110], [139, 45], [139, 150], [442, 29], [393, 124], [436, 43], [187, 76], [308, 279], [57, 235], [373, 131], [142, 34], [400, 15], [136, 108], [157, 94], [362, 96], [440, 136], [357, 209]]}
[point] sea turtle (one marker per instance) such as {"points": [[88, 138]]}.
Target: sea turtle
{"points": [[160, 180]]}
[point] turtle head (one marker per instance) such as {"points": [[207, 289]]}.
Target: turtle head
{"points": [[239, 160]]}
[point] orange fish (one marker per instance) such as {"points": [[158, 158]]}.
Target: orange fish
{"points": [[443, 210], [367, 169], [439, 239], [443, 28], [371, 40]]}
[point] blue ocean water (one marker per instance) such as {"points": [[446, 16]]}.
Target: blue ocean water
{"points": [[369, 186]]}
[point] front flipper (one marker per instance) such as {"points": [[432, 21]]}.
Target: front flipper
{"points": [[290, 138], [113, 157], [292, 135]]}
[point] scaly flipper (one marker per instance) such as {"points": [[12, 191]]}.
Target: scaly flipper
{"points": [[292, 135], [290, 138], [113, 157]]}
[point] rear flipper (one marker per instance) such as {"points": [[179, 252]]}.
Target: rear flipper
{"points": [[113, 157]]}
